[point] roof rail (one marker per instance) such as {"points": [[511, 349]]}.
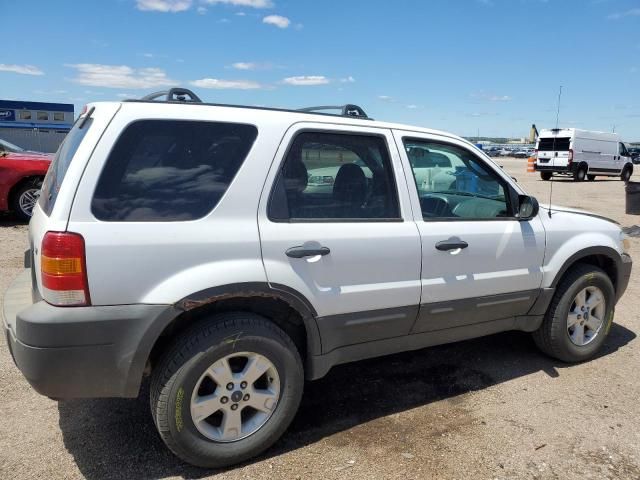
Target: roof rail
{"points": [[348, 110], [174, 95]]}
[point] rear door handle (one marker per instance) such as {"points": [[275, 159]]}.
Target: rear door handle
{"points": [[301, 252], [451, 244]]}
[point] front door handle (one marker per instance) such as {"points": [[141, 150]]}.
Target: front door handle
{"points": [[301, 252], [451, 244]]}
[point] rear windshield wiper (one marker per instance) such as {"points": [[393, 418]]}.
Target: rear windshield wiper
{"points": [[86, 118]]}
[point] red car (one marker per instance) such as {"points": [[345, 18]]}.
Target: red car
{"points": [[21, 175]]}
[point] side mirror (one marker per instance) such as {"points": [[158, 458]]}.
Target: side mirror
{"points": [[527, 207]]}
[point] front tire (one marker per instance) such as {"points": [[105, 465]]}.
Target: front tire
{"points": [[24, 199], [545, 175], [591, 178], [580, 315], [227, 389]]}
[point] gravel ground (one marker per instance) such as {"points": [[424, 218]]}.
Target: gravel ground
{"points": [[487, 408]]}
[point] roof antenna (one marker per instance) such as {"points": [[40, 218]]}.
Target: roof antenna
{"points": [[554, 145]]}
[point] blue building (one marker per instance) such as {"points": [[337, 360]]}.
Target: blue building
{"points": [[38, 126]]}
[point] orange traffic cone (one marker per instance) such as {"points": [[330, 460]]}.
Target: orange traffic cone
{"points": [[531, 165]]}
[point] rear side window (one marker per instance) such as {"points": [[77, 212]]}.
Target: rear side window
{"points": [[60, 165], [557, 144], [170, 170]]}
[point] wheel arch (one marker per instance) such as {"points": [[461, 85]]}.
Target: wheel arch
{"points": [[285, 307], [20, 183], [606, 258]]}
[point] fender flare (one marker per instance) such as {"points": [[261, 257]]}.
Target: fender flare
{"points": [[608, 252], [291, 297]]}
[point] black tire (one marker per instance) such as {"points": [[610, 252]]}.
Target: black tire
{"points": [[627, 171], [545, 175], [591, 178], [552, 337], [32, 187], [179, 370], [580, 174]]}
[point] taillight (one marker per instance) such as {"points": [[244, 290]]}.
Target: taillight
{"points": [[570, 155], [64, 269]]}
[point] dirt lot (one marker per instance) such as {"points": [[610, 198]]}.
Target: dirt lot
{"points": [[488, 408]]}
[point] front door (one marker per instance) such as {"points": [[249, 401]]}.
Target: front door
{"points": [[336, 226], [479, 263]]}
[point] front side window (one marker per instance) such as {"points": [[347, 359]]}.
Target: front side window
{"points": [[170, 170], [623, 150], [455, 184], [335, 176]]}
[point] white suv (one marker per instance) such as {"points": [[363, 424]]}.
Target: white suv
{"points": [[185, 241]]}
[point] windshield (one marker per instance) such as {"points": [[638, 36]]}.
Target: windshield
{"points": [[9, 147], [60, 165]]}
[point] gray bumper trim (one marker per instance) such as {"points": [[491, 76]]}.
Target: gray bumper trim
{"points": [[74, 352]]}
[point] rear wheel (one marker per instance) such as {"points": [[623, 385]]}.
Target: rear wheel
{"points": [[545, 175], [579, 317], [627, 171], [591, 178], [227, 390], [580, 174], [25, 198]]}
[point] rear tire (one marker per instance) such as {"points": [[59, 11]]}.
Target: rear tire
{"points": [[555, 336], [230, 430], [545, 175], [627, 171], [580, 174], [591, 178]]}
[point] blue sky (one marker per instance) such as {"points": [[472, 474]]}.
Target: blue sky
{"points": [[457, 65]]}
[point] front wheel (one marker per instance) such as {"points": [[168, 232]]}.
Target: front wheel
{"points": [[579, 317], [591, 178], [227, 390], [545, 175], [25, 198], [626, 173]]}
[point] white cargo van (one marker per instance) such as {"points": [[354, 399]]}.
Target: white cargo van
{"points": [[582, 154]]}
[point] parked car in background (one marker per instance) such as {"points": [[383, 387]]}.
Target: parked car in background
{"points": [[635, 154], [582, 154], [21, 175], [523, 153]]}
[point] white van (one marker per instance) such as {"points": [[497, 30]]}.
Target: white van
{"points": [[582, 154]]}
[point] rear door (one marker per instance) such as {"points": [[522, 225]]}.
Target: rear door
{"points": [[336, 226], [479, 263], [554, 151]]}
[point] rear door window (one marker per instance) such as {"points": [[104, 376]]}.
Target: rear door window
{"points": [[60, 165], [557, 144], [170, 170]]}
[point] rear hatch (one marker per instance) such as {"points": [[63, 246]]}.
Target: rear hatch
{"points": [[554, 151], [51, 213]]}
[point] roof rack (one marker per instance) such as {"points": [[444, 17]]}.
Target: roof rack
{"points": [[348, 110], [184, 95], [174, 95]]}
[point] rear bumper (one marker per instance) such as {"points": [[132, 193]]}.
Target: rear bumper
{"points": [[555, 169], [75, 352]]}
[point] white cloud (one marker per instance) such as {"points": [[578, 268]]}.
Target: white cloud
{"points": [[120, 76], [124, 95], [241, 14], [385, 98], [244, 66], [21, 69], [218, 84], [277, 20], [491, 97], [306, 80], [163, 5], [634, 12], [147, 55], [243, 3], [201, 10], [348, 79], [412, 107]]}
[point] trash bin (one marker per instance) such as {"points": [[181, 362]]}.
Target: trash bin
{"points": [[632, 191]]}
